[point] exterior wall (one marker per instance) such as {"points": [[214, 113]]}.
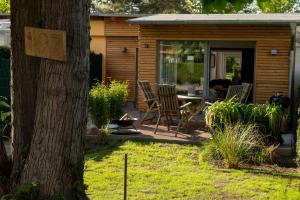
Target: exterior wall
{"points": [[108, 37], [120, 27], [271, 72], [97, 27], [98, 41], [122, 65]]}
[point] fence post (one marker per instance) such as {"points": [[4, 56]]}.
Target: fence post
{"points": [[125, 177]]}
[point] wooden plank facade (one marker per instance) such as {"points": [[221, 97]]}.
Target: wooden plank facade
{"points": [[121, 65], [110, 35], [271, 72]]}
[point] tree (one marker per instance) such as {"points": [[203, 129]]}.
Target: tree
{"points": [[194, 6], [49, 99], [225, 6], [140, 6], [4, 6], [278, 6], [252, 6]]}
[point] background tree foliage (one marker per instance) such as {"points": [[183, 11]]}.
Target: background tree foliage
{"points": [[4, 6], [279, 6], [140, 6], [195, 6]]}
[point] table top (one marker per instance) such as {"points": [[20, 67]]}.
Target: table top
{"points": [[186, 97]]}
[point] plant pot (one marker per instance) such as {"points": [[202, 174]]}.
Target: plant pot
{"points": [[285, 124]]}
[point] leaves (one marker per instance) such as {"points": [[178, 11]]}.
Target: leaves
{"points": [[5, 6], [278, 6], [194, 6], [230, 112], [5, 116]]}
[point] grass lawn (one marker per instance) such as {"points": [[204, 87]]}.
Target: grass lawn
{"points": [[176, 171]]}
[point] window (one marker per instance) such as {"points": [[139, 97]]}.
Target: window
{"points": [[182, 63]]}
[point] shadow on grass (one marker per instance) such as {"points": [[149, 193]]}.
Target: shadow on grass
{"points": [[272, 173], [265, 172], [112, 145]]}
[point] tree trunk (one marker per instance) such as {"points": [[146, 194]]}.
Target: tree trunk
{"points": [[5, 168], [55, 158], [4, 161], [25, 71]]}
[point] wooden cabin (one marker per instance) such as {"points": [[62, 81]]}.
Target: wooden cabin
{"points": [[117, 41], [193, 51]]}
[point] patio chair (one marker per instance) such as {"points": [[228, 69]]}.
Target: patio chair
{"points": [[169, 106], [247, 87], [150, 99], [234, 91], [241, 92]]}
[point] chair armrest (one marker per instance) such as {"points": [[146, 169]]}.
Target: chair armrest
{"points": [[185, 105], [208, 103], [154, 99]]}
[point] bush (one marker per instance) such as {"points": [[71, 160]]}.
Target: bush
{"points": [[106, 102], [99, 104], [230, 112], [236, 144], [4, 52], [118, 93], [5, 117]]}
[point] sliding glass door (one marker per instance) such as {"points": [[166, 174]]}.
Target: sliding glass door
{"points": [[182, 63]]}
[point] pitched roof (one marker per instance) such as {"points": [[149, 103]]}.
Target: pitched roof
{"points": [[218, 19]]}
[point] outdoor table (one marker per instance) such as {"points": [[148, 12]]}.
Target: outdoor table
{"points": [[197, 98]]}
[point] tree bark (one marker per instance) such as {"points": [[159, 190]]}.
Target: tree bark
{"points": [[4, 160], [25, 71], [5, 168], [56, 157]]}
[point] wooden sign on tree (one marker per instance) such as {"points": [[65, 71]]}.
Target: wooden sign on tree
{"points": [[45, 43]]}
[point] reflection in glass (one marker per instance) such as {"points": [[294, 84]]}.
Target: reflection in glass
{"points": [[182, 63]]}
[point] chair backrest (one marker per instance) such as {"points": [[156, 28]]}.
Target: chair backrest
{"points": [[147, 91], [234, 91], [167, 97], [247, 87]]}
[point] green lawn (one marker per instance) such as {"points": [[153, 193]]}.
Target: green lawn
{"points": [[177, 171]]}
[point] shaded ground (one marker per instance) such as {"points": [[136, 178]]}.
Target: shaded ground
{"points": [[196, 132], [168, 170]]}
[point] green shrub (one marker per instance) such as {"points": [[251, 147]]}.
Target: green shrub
{"points": [[5, 117], [4, 52], [118, 93], [99, 104], [236, 144], [221, 113], [106, 102], [28, 191]]}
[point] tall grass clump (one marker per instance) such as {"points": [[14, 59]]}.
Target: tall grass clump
{"points": [[236, 144], [118, 93]]}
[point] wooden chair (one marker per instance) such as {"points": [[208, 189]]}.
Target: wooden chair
{"points": [[234, 91], [150, 99], [247, 87], [168, 106], [241, 92]]}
